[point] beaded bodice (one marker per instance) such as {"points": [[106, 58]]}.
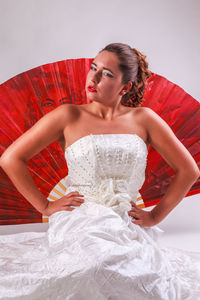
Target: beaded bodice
{"points": [[108, 169]]}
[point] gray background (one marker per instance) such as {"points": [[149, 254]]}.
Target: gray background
{"points": [[36, 32]]}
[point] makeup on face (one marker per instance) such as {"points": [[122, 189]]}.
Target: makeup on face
{"points": [[111, 75], [92, 89]]}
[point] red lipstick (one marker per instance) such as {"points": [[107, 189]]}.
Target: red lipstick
{"points": [[92, 89]]}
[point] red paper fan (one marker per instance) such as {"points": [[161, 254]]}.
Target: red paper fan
{"points": [[26, 97]]}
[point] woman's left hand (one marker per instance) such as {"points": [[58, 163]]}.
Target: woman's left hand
{"points": [[143, 218]]}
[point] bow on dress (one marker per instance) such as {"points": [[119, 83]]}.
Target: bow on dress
{"points": [[115, 193]]}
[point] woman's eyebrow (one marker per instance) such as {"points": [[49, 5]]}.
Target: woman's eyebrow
{"points": [[103, 68]]}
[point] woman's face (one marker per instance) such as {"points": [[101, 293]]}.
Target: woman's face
{"points": [[105, 77]]}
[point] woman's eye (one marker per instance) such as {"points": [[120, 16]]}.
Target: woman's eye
{"points": [[108, 74]]}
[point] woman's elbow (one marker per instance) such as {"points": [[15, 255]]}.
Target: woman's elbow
{"points": [[6, 160], [195, 170], [189, 168], [192, 173], [3, 162], [196, 173]]}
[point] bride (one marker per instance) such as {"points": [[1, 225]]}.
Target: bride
{"points": [[99, 245]]}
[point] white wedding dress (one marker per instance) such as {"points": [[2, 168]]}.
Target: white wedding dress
{"points": [[95, 252]]}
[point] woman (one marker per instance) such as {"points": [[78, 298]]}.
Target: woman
{"points": [[102, 246]]}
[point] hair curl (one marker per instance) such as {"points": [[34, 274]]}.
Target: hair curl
{"points": [[134, 68]]}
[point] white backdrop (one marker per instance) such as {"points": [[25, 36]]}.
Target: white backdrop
{"points": [[36, 32]]}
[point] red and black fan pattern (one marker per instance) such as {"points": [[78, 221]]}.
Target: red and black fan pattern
{"points": [[25, 98]]}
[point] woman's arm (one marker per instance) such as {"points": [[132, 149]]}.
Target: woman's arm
{"points": [[164, 141], [47, 130]]}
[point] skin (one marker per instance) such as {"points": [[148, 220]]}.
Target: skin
{"points": [[105, 114]]}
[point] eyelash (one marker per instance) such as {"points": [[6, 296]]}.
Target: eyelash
{"points": [[106, 72]]}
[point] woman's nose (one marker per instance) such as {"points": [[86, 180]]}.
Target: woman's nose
{"points": [[96, 77]]}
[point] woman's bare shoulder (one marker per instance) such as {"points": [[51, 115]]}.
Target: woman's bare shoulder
{"points": [[145, 111], [149, 117], [67, 107], [69, 111]]}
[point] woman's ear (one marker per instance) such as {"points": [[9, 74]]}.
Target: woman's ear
{"points": [[126, 88]]}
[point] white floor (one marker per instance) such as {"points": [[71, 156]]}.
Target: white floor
{"points": [[181, 227]]}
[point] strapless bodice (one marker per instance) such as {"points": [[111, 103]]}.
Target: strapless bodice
{"points": [[108, 169]]}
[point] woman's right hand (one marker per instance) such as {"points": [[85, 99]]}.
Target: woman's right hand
{"points": [[64, 203]]}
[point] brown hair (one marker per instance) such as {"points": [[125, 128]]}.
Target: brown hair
{"points": [[134, 68]]}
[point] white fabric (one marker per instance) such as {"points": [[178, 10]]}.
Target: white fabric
{"points": [[95, 252]]}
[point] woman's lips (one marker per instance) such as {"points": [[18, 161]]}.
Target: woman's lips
{"points": [[92, 89]]}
